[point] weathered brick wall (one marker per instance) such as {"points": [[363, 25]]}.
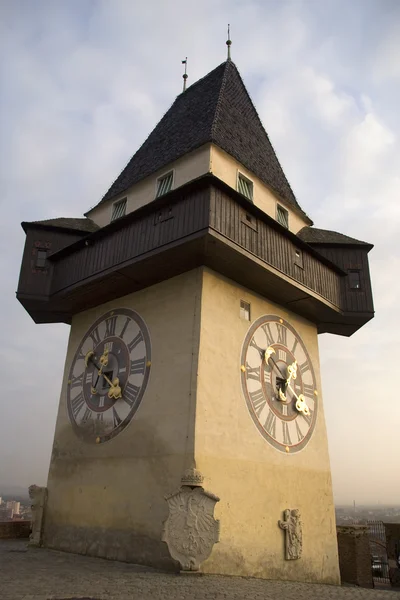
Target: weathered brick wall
{"points": [[14, 529], [354, 555]]}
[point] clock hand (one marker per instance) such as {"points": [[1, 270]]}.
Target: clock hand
{"points": [[268, 356], [115, 389], [292, 372], [301, 404]]}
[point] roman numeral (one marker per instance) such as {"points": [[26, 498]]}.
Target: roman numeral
{"points": [[308, 418], [308, 390], [296, 341], [100, 417], [77, 380], [304, 367], [300, 436], [270, 424], [254, 345], [131, 393], [89, 377], [282, 355], [284, 410], [110, 326], [138, 366], [258, 401], [95, 337], [252, 373], [101, 402], [136, 340], [268, 333], [282, 334], [77, 403], [121, 335], [116, 418], [267, 376], [286, 435], [108, 346], [87, 414]]}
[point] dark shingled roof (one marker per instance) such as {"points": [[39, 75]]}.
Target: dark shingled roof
{"points": [[312, 235], [215, 109], [84, 225]]}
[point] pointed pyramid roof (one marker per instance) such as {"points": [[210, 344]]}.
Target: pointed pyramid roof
{"points": [[215, 109]]}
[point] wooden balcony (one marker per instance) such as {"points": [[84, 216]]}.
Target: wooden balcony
{"points": [[202, 223]]}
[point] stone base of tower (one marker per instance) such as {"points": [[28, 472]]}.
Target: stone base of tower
{"points": [[108, 500]]}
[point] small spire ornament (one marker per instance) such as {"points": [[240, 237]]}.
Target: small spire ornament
{"points": [[229, 43], [185, 75]]}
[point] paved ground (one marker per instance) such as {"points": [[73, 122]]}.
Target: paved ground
{"points": [[38, 574]]}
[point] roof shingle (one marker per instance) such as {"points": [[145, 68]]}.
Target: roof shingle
{"points": [[84, 225], [215, 109], [312, 235]]}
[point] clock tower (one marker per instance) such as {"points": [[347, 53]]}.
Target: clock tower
{"points": [[190, 431]]}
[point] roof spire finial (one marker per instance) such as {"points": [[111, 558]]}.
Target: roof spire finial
{"points": [[229, 43], [185, 75]]}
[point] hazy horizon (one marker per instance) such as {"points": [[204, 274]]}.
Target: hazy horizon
{"points": [[85, 83]]}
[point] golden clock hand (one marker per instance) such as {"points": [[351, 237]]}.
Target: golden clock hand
{"points": [[301, 404], [292, 372], [115, 389]]}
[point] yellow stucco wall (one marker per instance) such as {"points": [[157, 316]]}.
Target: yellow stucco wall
{"points": [[226, 168], [254, 481], [186, 169], [109, 499], [104, 499], [208, 158]]}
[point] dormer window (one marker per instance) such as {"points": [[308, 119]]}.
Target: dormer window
{"points": [[164, 184], [245, 186], [282, 216], [118, 209]]}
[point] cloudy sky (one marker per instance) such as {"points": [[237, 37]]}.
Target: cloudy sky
{"points": [[84, 82]]}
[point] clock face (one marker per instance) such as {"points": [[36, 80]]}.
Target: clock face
{"points": [[109, 375], [278, 383]]}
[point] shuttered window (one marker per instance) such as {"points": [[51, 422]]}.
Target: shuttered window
{"points": [[282, 216], [354, 280], [164, 184], [41, 259], [245, 187], [119, 209]]}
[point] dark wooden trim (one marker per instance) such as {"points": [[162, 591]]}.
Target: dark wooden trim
{"points": [[202, 223]]}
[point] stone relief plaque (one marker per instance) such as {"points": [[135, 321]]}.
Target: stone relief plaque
{"points": [[292, 527], [191, 530]]}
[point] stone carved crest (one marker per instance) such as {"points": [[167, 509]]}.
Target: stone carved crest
{"points": [[292, 526], [38, 495], [190, 530]]}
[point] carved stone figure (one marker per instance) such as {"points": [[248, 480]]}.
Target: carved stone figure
{"points": [[191, 530], [292, 526], [38, 495]]}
